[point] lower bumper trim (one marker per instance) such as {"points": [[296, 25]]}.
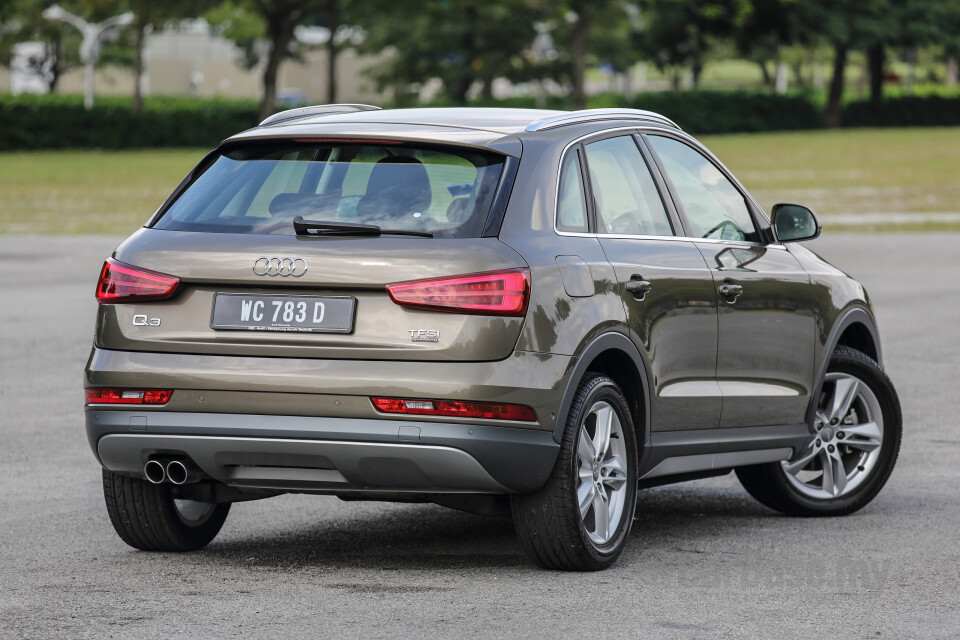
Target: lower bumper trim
{"points": [[307, 465]]}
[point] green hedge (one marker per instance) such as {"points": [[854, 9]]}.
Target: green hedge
{"points": [[926, 111], [697, 112], [60, 121], [702, 112]]}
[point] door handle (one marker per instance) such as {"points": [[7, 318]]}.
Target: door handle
{"points": [[730, 291], [638, 287]]}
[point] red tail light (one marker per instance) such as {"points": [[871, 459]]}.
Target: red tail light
{"points": [[495, 293], [456, 408], [128, 396], [352, 140], [121, 282]]}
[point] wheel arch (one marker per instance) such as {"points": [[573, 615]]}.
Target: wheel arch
{"points": [[614, 355], [860, 336], [854, 328]]}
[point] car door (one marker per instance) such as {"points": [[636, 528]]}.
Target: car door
{"points": [[666, 288], [765, 303]]}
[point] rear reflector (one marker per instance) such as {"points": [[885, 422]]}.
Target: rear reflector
{"points": [[455, 408], [495, 293], [121, 282], [128, 396]]}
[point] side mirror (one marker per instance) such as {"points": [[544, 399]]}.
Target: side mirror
{"points": [[794, 222]]}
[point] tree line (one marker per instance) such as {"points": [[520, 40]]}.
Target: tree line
{"points": [[467, 44]]}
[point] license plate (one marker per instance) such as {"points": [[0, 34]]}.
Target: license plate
{"points": [[253, 312]]}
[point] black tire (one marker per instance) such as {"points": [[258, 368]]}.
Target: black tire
{"points": [[548, 521], [770, 485], [146, 517]]}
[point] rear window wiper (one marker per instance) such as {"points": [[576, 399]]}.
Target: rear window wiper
{"points": [[324, 228]]}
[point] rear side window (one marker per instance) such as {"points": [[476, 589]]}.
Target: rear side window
{"points": [[261, 188], [571, 206], [627, 199]]}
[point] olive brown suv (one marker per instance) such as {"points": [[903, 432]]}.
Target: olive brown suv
{"points": [[496, 310]]}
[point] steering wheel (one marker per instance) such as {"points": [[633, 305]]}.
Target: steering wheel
{"points": [[626, 223], [725, 224]]}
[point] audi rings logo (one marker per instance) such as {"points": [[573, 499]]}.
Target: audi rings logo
{"points": [[265, 266]]}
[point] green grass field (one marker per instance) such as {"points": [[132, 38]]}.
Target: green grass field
{"points": [[867, 171], [852, 171]]}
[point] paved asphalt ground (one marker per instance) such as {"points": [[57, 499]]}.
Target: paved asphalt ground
{"points": [[704, 559]]}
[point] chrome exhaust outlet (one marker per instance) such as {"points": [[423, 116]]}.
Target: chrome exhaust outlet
{"points": [[154, 471], [177, 472]]}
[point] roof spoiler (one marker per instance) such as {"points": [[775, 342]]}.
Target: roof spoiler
{"points": [[315, 110]]}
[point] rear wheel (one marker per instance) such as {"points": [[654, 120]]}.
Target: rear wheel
{"points": [[850, 455], [581, 518], [146, 516]]}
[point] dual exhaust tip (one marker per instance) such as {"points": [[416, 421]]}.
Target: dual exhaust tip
{"points": [[176, 471]]}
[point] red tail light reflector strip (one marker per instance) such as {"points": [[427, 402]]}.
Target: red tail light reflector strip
{"points": [[349, 140], [495, 293], [128, 396], [455, 408], [121, 282]]}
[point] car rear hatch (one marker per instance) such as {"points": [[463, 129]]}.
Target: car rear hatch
{"points": [[373, 220]]}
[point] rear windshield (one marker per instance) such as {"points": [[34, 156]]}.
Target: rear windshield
{"points": [[261, 188]]}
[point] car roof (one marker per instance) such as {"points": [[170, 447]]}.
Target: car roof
{"points": [[506, 121], [502, 120], [494, 128]]}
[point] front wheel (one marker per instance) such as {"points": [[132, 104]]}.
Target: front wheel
{"points": [[581, 518], [147, 517], [851, 452]]}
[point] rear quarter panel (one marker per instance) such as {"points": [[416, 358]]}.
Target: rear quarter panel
{"points": [[557, 322]]}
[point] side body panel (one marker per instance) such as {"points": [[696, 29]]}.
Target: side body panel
{"points": [[840, 302], [765, 359], [675, 325]]}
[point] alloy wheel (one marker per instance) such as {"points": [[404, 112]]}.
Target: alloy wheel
{"points": [[843, 452], [601, 472]]}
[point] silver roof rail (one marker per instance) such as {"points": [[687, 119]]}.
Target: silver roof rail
{"points": [[587, 115], [315, 110]]}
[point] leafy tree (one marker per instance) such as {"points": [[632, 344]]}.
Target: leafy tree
{"points": [[248, 23], [590, 31], [457, 41], [264, 31], [332, 16], [583, 13], [148, 14], [846, 25], [768, 27], [915, 23], [22, 21], [680, 33], [951, 40]]}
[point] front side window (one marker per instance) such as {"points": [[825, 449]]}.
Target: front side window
{"points": [[626, 197], [714, 207], [261, 188]]}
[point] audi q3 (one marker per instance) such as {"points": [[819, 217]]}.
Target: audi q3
{"points": [[506, 311]]}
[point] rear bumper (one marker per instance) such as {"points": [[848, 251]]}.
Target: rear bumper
{"points": [[301, 453], [333, 388]]}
